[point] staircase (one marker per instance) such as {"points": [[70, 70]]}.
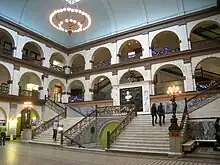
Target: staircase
{"points": [[141, 136], [46, 136]]}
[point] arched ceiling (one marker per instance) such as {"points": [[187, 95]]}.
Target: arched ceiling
{"points": [[108, 16]]}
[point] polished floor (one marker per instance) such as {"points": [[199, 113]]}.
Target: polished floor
{"points": [[26, 154]]}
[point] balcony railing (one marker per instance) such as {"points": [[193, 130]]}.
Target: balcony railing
{"points": [[77, 69], [204, 44], [127, 59], [6, 51], [165, 50], [27, 93], [4, 89], [101, 64], [57, 68]]}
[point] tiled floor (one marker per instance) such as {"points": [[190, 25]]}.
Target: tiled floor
{"points": [[26, 154]]}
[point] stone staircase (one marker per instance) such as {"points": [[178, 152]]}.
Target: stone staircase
{"points": [[46, 136], [141, 136]]}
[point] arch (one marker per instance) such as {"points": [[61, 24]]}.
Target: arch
{"points": [[3, 115], [76, 90], [102, 88], [6, 42], [5, 75], [131, 76], [167, 75], [59, 58], [101, 57], [108, 127], [55, 89], [77, 63], [29, 78], [204, 33], [165, 42], [33, 52], [130, 49], [207, 72]]}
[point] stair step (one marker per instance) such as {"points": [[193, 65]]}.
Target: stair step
{"points": [[141, 138], [146, 145], [145, 141], [165, 149], [138, 151]]}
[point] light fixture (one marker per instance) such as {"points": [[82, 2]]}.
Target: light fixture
{"points": [[70, 19], [173, 90]]}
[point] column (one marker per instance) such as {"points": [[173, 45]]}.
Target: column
{"points": [[88, 94], [113, 49], [65, 98], [88, 64], [184, 45], [146, 97], [41, 91], [188, 82], [16, 79], [67, 69], [145, 46], [47, 54]]}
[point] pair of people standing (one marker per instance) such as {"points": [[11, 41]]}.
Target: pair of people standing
{"points": [[157, 111], [2, 134]]}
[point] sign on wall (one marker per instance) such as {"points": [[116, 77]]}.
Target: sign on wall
{"points": [[132, 96]]}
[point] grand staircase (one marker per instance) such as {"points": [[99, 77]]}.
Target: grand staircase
{"points": [[141, 136], [46, 136]]}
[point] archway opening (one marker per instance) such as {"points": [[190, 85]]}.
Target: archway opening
{"points": [[6, 43], [206, 33], [102, 88], [57, 62], [164, 43], [207, 72], [29, 84], [167, 76], [101, 58], [131, 76], [55, 90], [78, 64], [130, 50], [109, 127], [21, 117], [76, 90], [3, 116], [33, 53], [4, 79]]}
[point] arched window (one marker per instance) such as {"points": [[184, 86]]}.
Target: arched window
{"points": [[131, 76], [78, 64], [6, 43], [29, 84], [207, 73], [167, 76], [101, 58], [102, 88], [33, 53], [57, 62], [55, 90], [164, 43], [130, 50], [205, 34], [76, 90]]}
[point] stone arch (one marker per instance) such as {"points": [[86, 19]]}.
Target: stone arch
{"points": [[3, 115], [131, 76], [57, 61], [55, 90], [204, 33], [107, 127], [77, 63], [7, 43], [167, 75], [101, 57], [5, 78], [207, 72], [33, 52], [102, 87], [165, 42], [76, 90], [130, 49]]}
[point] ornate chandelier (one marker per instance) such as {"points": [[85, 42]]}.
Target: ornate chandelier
{"points": [[70, 19]]}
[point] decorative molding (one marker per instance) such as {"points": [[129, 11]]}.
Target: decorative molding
{"points": [[147, 66], [115, 72], [16, 67], [187, 60], [87, 77], [46, 75]]}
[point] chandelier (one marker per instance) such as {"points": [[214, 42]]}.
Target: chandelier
{"points": [[70, 18]]}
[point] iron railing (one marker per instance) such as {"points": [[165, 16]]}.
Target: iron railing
{"points": [[6, 51], [166, 50], [74, 70], [204, 44], [127, 59], [4, 89], [55, 106], [111, 137], [27, 93], [57, 68], [101, 64]]}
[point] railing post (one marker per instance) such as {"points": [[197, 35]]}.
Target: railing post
{"points": [[65, 112], [108, 140], [61, 137]]}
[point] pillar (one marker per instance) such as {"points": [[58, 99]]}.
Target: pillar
{"points": [[16, 79], [188, 82], [184, 45], [146, 97]]}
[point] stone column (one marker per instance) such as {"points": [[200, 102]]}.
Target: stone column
{"points": [[188, 82], [65, 98], [176, 141], [41, 90], [184, 45], [88, 64], [16, 79], [145, 46], [146, 97], [88, 94], [67, 69]]}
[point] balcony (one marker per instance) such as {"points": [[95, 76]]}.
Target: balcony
{"points": [[4, 89], [6, 51], [27, 93], [74, 70], [57, 68], [165, 50], [101, 64], [124, 59]]}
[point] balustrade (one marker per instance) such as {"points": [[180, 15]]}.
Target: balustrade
{"points": [[4, 89], [204, 44], [57, 68], [101, 64], [166, 50], [6, 51], [27, 93]]}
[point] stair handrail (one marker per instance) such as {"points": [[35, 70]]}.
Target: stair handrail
{"points": [[46, 125], [205, 71], [78, 127], [112, 110], [57, 108], [111, 137], [75, 110], [188, 101]]}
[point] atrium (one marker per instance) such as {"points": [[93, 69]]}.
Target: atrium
{"points": [[98, 68]]}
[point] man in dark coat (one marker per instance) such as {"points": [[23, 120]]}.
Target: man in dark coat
{"points": [[154, 113], [161, 113]]}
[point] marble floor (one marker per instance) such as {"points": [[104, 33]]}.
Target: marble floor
{"points": [[26, 154]]}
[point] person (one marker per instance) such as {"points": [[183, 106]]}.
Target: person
{"points": [[55, 128], [154, 113], [3, 134], [161, 113]]}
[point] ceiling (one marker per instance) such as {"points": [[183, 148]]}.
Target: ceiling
{"points": [[108, 16]]}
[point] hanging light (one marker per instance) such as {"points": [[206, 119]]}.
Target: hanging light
{"points": [[70, 19]]}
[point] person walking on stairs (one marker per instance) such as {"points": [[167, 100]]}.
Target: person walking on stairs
{"points": [[154, 113], [55, 128], [161, 113], [2, 134]]}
